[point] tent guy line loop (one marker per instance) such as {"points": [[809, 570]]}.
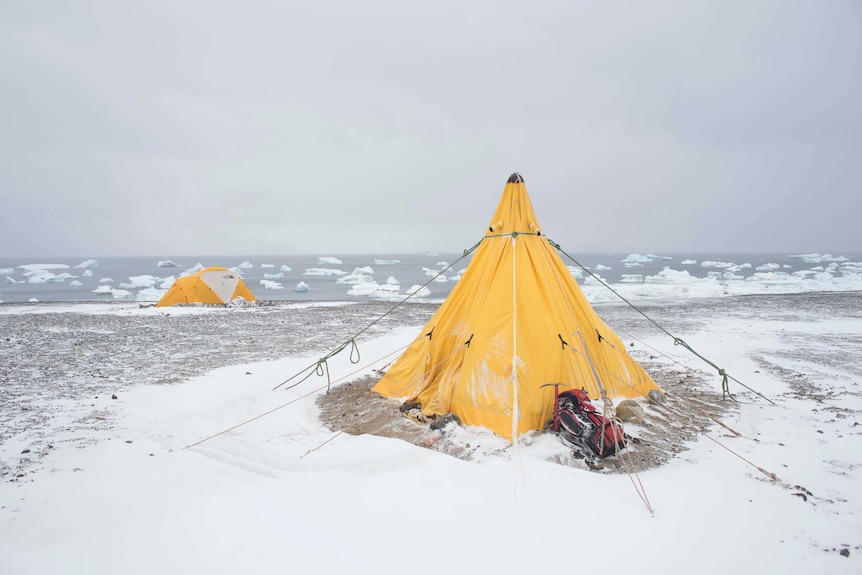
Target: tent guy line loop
{"points": [[352, 340], [294, 400], [725, 390]]}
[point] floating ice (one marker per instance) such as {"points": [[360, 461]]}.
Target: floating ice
{"points": [[168, 264], [167, 283], [115, 293], [818, 258], [11, 280], [278, 276], [285, 268], [267, 265], [150, 294], [359, 276], [602, 268], [644, 258], [88, 264], [669, 276], [631, 278], [363, 289], [7, 271], [380, 262], [246, 265], [302, 287], [33, 300], [75, 283], [87, 273], [194, 269], [138, 282], [106, 281], [689, 262], [576, 272], [38, 267], [269, 284], [767, 267], [419, 291], [324, 272], [44, 277], [329, 261]]}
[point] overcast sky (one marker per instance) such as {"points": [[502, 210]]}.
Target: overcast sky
{"points": [[213, 127]]}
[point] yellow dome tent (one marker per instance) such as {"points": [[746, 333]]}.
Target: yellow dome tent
{"points": [[516, 320], [212, 286]]}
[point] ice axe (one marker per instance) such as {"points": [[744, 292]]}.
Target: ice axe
{"points": [[556, 404]]}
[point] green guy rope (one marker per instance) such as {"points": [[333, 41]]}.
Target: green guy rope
{"points": [[725, 389]]}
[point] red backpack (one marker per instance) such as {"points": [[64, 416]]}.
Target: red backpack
{"points": [[579, 425]]}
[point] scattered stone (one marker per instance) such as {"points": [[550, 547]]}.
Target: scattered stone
{"points": [[114, 396], [444, 420], [630, 411], [25, 451], [844, 552], [657, 396]]}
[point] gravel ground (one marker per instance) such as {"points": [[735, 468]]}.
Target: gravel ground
{"points": [[59, 368]]}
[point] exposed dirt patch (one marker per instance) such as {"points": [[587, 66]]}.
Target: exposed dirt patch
{"points": [[689, 410]]}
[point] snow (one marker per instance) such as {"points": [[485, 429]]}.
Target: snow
{"points": [[217, 473]]}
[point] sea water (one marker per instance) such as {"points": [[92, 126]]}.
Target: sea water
{"points": [[321, 273]]}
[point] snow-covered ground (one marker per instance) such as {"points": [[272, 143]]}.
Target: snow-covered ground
{"points": [[141, 440]]}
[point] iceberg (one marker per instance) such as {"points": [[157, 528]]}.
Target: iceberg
{"points": [[167, 264], [137, 282], [324, 272], [329, 261], [302, 287], [380, 262], [285, 268], [88, 264], [278, 276], [246, 265], [150, 295], [419, 291], [269, 284], [363, 289]]}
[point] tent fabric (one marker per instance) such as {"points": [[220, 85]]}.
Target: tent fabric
{"points": [[211, 286], [515, 321]]}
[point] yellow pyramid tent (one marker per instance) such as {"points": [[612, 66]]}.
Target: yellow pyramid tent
{"points": [[516, 320], [209, 286]]}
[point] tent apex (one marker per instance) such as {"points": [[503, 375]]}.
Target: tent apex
{"points": [[515, 179]]}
